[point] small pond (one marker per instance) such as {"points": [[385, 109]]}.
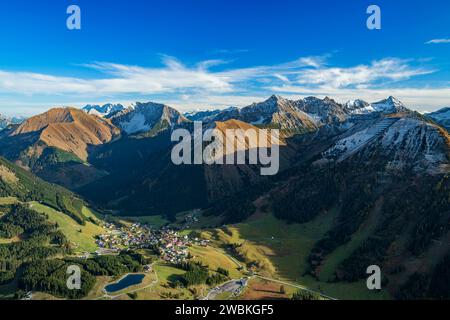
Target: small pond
{"points": [[125, 282]]}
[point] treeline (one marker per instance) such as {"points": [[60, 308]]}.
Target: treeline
{"points": [[371, 252], [305, 295], [435, 285], [433, 207], [50, 275], [424, 208], [41, 240], [20, 219], [113, 265], [239, 206], [31, 188], [356, 206], [197, 273], [70, 208], [233, 209], [309, 195]]}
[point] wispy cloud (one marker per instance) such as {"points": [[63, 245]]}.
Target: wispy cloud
{"points": [[438, 41], [361, 75], [118, 79], [172, 76], [217, 83]]}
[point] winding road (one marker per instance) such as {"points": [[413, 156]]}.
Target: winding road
{"points": [[255, 275]]}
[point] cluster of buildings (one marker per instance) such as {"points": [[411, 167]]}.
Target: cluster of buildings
{"points": [[118, 238], [169, 244]]}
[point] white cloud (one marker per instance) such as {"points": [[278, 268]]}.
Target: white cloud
{"points": [[202, 85], [438, 41], [118, 79], [361, 75], [172, 77]]}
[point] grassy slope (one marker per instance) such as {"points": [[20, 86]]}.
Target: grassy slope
{"points": [[164, 273], [290, 244], [215, 258], [259, 289], [84, 240], [8, 200], [27, 186], [344, 251], [8, 241], [287, 246], [155, 221]]}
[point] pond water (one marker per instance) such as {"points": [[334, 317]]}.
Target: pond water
{"points": [[128, 281]]}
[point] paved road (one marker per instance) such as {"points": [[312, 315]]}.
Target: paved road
{"points": [[276, 280]]}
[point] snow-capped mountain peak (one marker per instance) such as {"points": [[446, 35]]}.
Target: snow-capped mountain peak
{"points": [[6, 121], [105, 110], [389, 105], [356, 104], [143, 117], [386, 106], [441, 116], [208, 115]]}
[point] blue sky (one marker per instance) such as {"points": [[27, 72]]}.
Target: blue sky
{"points": [[214, 53]]}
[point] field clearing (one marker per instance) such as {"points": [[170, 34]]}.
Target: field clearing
{"points": [[224, 296], [162, 290], [215, 258], [286, 246], [343, 290], [41, 296], [83, 237], [97, 290], [333, 260], [259, 289], [8, 200], [88, 213], [246, 251], [165, 272], [8, 241]]}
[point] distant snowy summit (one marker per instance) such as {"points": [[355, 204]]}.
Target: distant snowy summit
{"points": [[207, 115], [291, 116], [6, 121], [300, 115], [389, 105], [144, 117], [105, 111], [441, 116]]}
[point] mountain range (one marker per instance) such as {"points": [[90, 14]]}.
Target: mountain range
{"points": [[6, 121], [105, 110], [442, 117], [380, 169]]}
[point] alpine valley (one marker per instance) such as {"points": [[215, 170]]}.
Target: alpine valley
{"points": [[360, 184]]}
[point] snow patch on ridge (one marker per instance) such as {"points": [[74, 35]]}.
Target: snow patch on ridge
{"points": [[137, 123]]}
